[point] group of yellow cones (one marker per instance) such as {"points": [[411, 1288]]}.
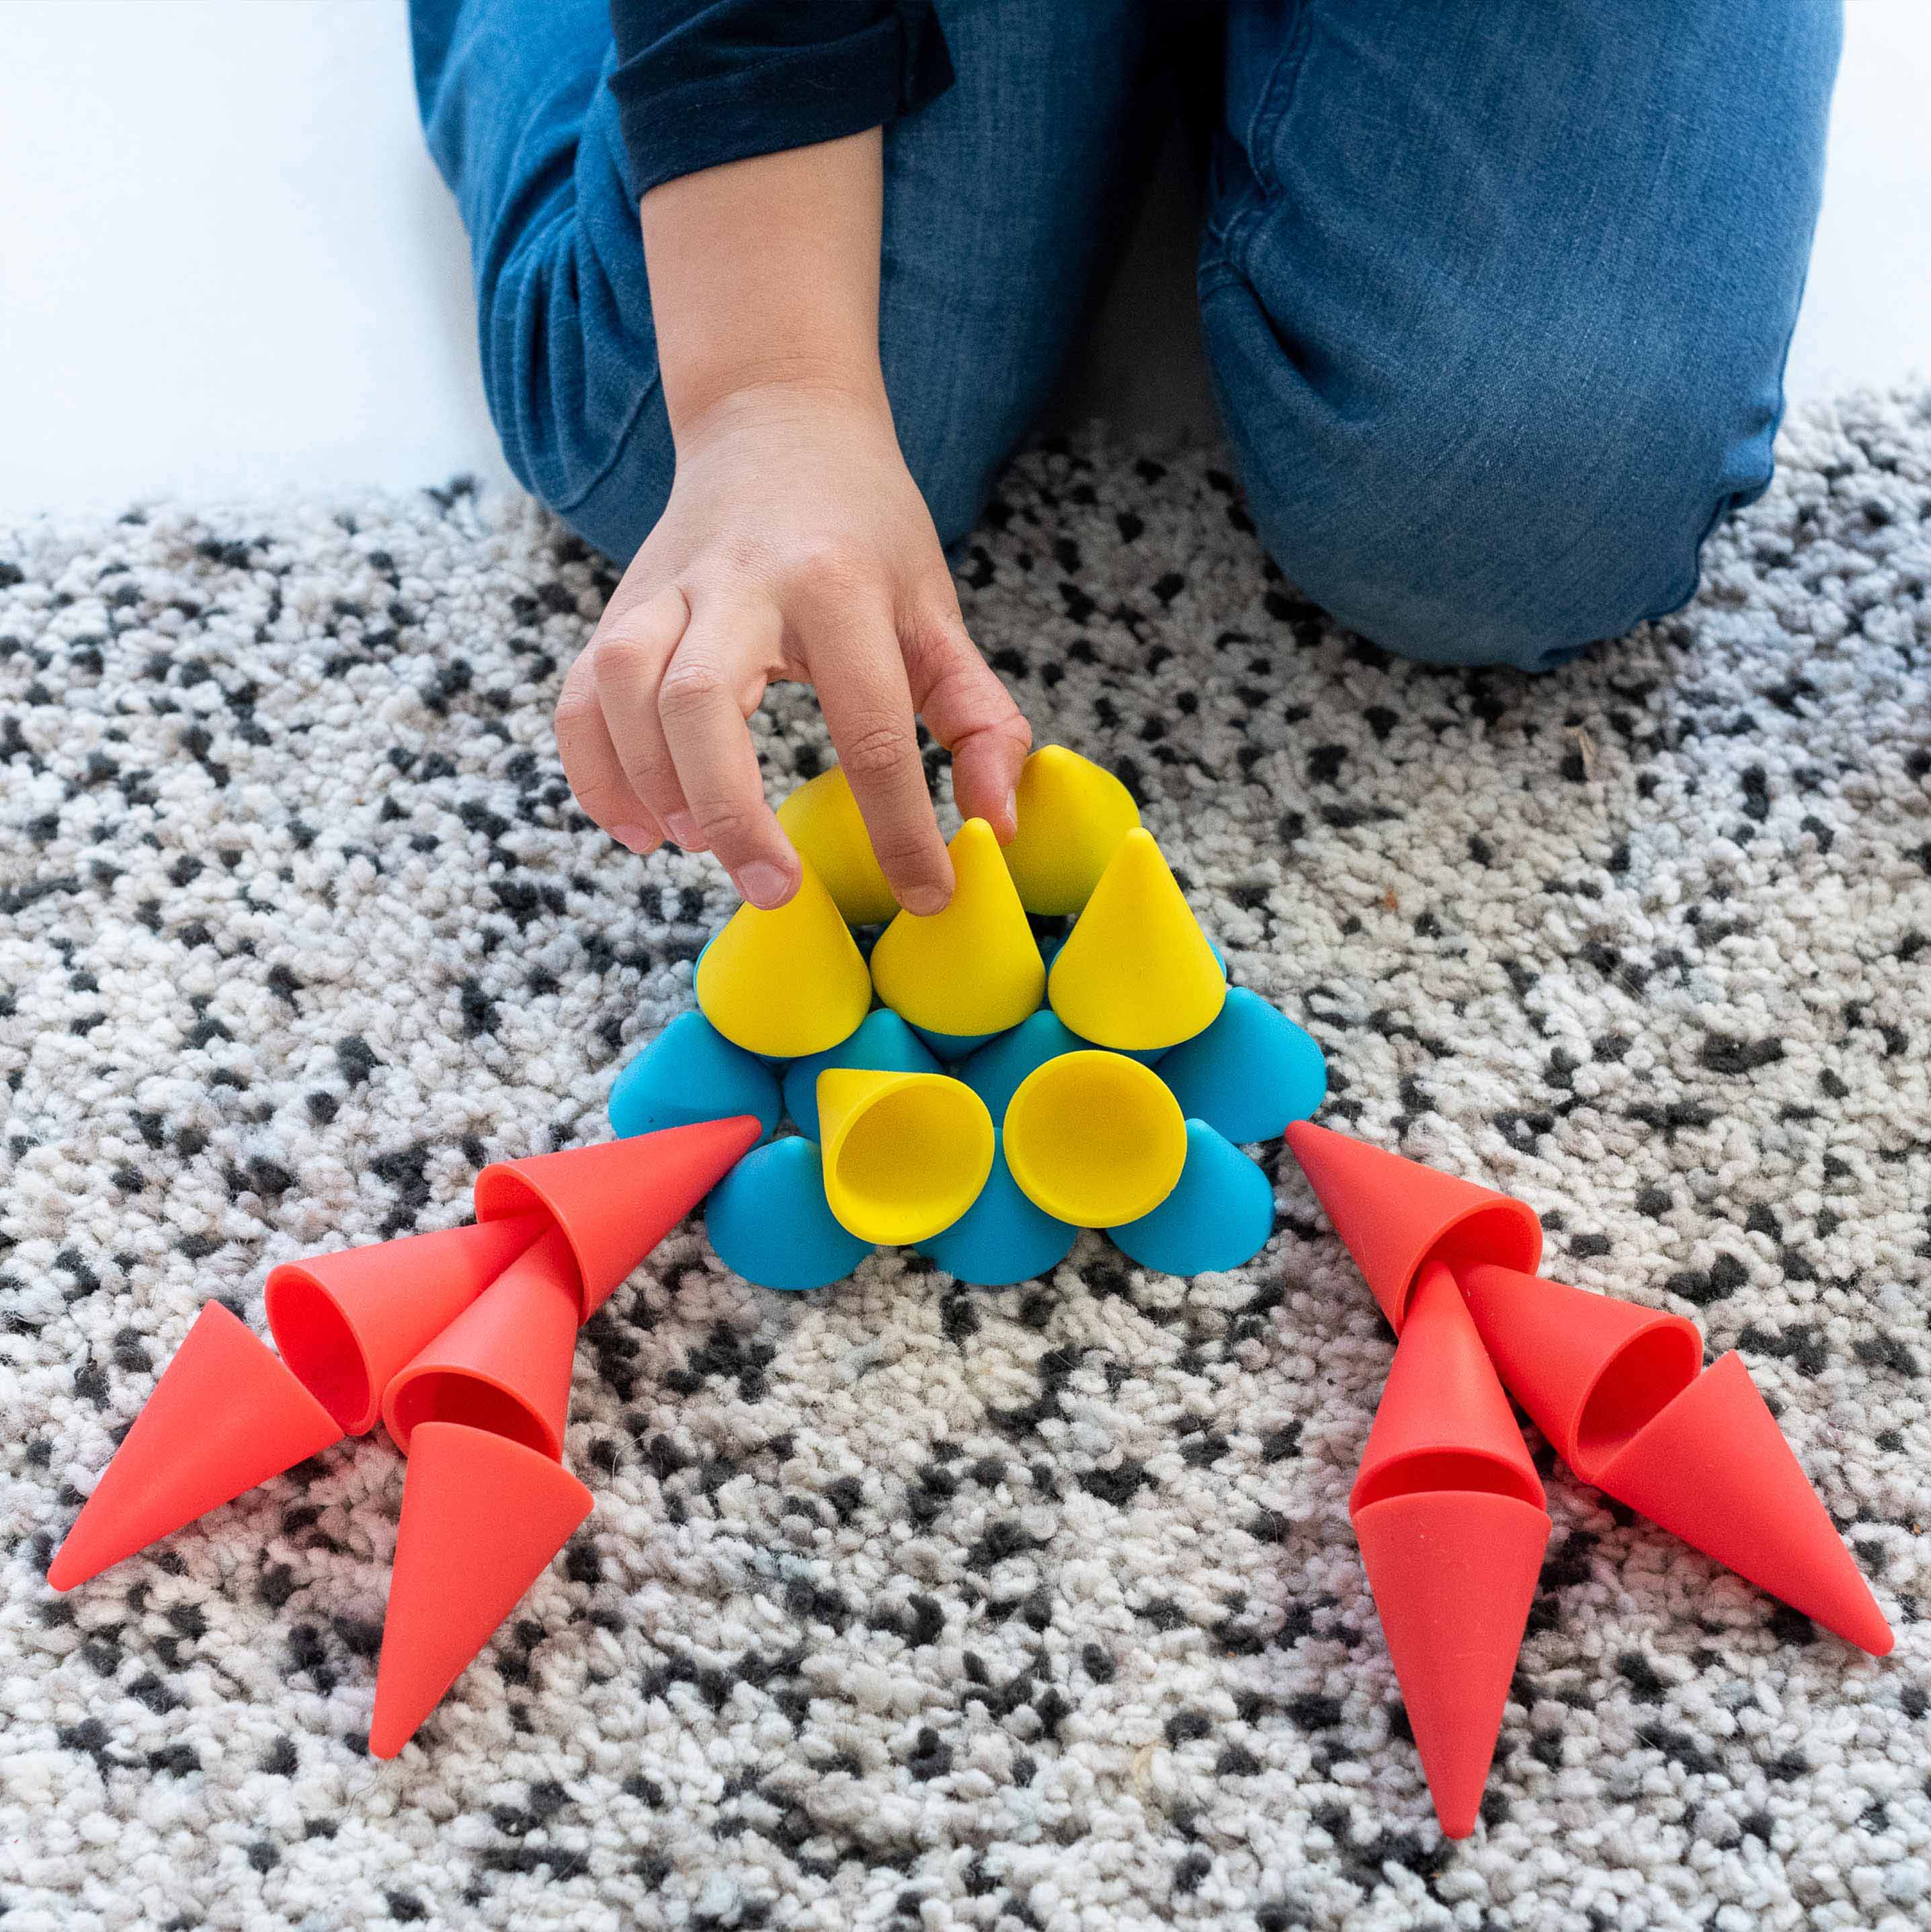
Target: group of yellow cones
{"points": [[976, 1087]]}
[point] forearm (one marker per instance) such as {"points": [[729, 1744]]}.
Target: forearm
{"points": [[765, 274]]}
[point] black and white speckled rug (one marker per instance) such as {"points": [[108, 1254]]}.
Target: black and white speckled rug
{"points": [[905, 1604]]}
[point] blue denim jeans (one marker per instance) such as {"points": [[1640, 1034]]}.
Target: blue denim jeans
{"points": [[1496, 293]]}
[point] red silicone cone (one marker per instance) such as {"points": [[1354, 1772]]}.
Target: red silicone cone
{"points": [[225, 1415], [1453, 1573], [617, 1200], [1591, 1369], [1394, 1214], [483, 1517], [503, 1365], [346, 1322], [1444, 1423], [1713, 1469]]}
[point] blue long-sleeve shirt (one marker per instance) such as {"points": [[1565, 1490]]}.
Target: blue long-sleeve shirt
{"points": [[702, 82]]}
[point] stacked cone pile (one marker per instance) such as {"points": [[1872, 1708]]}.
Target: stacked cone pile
{"points": [[981, 1084], [1448, 1509], [461, 1343]]}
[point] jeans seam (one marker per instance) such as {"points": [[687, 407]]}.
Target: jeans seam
{"points": [[1275, 101]]}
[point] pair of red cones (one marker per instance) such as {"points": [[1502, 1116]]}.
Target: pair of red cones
{"points": [[1448, 1509], [462, 1343]]}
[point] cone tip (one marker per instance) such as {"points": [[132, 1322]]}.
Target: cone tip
{"points": [[978, 838]]}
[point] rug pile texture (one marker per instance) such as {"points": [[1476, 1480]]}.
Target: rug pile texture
{"points": [[906, 1605]]}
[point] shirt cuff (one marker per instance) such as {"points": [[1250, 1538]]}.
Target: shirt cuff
{"points": [[791, 97]]}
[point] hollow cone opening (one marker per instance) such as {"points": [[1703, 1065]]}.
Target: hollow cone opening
{"points": [[321, 1348], [906, 1158], [456, 1395], [1095, 1139]]}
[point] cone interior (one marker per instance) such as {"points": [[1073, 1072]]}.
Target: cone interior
{"points": [[1505, 1232], [319, 1345], [909, 1161], [459, 1395], [1642, 1379], [1437, 1469], [1098, 1141]]}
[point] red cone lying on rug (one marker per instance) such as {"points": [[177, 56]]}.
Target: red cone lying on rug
{"points": [[462, 1343], [1448, 1508]]}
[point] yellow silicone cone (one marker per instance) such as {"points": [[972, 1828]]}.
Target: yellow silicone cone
{"points": [[822, 820], [974, 968], [905, 1154], [1095, 1138], [1072, 816], [788, 981], [1136, 971]]}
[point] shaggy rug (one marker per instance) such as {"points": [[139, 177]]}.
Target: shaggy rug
{"points": [[905, 1604]]}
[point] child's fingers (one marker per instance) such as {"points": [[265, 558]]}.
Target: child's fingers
{"points": [[971, 713], [702, 703], [628, 657], [591, 765], [859, 669]]}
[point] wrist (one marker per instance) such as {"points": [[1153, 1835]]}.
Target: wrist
{"points": [[778, 394], [773, 389]]}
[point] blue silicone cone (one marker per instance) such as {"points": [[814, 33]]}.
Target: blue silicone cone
{"points": [[951, 1048], [768, 1220], [1219, 1214], [690, 1072], [1250, 1073], [883, 1044], [1002, 1238], [995, 1071]]}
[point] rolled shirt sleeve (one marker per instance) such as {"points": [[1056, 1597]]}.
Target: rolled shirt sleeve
{"points": [[699, 82]]}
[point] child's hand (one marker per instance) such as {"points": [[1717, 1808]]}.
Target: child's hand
{"points": [[795, 545]]}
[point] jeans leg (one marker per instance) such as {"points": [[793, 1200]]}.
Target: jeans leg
{"points": [[997, 199], [1497, 294], [525, 132]]}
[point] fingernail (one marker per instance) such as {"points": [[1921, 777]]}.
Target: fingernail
{"points": [[1012, 808], [766, 885], [686, 830], [923, 900], [639, 838]]}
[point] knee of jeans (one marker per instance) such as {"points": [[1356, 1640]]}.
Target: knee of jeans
{"points": [[1510, 516], [573, 391]]}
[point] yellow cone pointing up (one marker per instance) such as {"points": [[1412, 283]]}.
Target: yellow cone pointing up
{"points": [[821, 819], [974, 968], [1072, 817], [905, 1154], [788, 981], [1136, 972]]}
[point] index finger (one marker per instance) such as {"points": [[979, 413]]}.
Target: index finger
{"points": [[867, 703]]}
